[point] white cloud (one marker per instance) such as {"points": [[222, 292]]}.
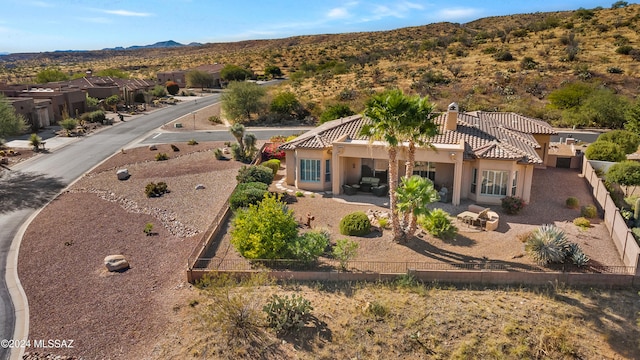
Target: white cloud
{"points": [[338, 13], [457, 13], [397, 9], [40, 4], [126, 13]]}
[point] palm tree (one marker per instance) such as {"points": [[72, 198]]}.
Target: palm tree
{"points": [[418, 127], [394, 118], [384, 112], [413, 196]]}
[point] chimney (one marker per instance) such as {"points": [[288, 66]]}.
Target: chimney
{"points": [[452, 117]]}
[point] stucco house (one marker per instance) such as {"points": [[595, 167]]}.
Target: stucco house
{"points": [[481, 156]]}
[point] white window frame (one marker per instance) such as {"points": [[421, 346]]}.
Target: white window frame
{"points": [[310, 170], [494, 183], [474, 180], [327, 170], [514, 184]]}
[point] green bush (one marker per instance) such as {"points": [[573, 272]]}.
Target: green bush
{"points": [[309, 246], [246, 194], [589, 211], [264, 230], [155, 190], [572, 202], [356, 224], [192, 142], [438, 224], [215, 119], [605, 151], [582, 222], [162, 157], [273, 164], [94, 117], [285, 314], [512, 204], [344, 251], [257, 173]]}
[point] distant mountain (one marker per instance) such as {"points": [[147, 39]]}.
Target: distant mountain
{"points": [[160, 44], [3, 53]]}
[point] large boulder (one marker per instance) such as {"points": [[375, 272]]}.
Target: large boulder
{"points": [[123, 174], [116, 263]]}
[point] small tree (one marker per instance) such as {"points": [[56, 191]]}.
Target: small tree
{"points": [[159, 91], [625, 173], [242, 99], [605, 151], [336, 111], [263, 231], [198, 78], [11, 123], [235, 73], [51, 75], [627, 140], [273, 71], [257, 173], [112, 101], [285, 103], [344, 251]]}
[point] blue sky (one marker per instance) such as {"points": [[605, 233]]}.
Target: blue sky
{"points": [[47, 25]]}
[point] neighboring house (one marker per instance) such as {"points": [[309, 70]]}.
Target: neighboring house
{"points": [[37, 112], [482, 156], [102, 87], [180, 76], [71, 101]]}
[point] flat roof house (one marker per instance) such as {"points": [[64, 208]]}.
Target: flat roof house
{"points": [[482, 156]]}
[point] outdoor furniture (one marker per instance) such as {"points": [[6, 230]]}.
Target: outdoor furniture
{"points": [[366, 183], [480, 216], [380, 190], [349, 190]]}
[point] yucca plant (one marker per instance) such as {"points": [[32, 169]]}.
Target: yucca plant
{"points": [[547, 244]]}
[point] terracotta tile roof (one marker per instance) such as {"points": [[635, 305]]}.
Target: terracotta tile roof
{"points": [[506, 136]]}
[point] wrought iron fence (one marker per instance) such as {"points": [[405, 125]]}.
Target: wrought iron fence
{"points": [[386, 267]]}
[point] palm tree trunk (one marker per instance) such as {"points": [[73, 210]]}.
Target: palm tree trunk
{"points": [[396, 229], [409, 220]]}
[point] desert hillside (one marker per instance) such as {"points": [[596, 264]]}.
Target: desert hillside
{"points": [[507, 63]]}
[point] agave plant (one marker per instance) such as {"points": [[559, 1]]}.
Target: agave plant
{"points": [[576, 255], [547, 244]]}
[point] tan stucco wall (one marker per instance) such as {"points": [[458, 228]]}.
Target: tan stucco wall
{"points": [[310, 154], [523, 185], [543, 140]]}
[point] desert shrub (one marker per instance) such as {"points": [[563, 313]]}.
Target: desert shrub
{"points": [[336, 111], [192, 142], [154, 190], [172, 87], [219, 154], [546, 245], [636, 234], [264, 230], [575, 255], [589, 211], [582, 222], [285, 314], [148, 228], [68, 124], [299, 194], [257, 173], [273, 164], [162, 157], [624, 49], [627, 140], [503, 56], [614, 70], [309, 246], [512, 204], [174, 148], [376, 309], [572, 202], [246, 194], [215, 119], [271, 151], [438, 224], [383, 222], [356, 224], [94, 116], [344, 251]]}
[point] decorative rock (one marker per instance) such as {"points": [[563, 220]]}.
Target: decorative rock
{"points": [[199, 187], [123, 174], [153, 147], [116, 263]]}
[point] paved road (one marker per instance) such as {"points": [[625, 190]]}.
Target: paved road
{"points": [[42, 177], [218, 135]]}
